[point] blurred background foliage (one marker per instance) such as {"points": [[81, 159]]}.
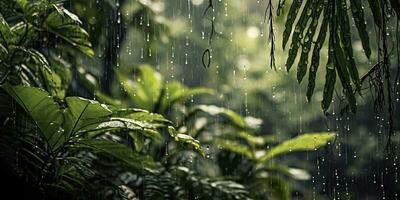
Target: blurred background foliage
{"points": [[153, 44], [243, 80]]}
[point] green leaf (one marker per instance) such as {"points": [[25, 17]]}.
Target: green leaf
{"points": [[291, 17], [256, 140], [359, 19], [316, 56], [340, 63], [104, 98], [53, 84], [142, 115], [5, 31], [138, 140], [309, 141], [298, 32], [175, 92], [118, 151], [67, 26], [233, 146], [37, 57], [376, 12], [121, 124], [212, 110], [346, 44], [330, 80], [307, 41], [145, 90], [84, 113], [179, 137], [59, 78], [43, 110], [295, 173]]}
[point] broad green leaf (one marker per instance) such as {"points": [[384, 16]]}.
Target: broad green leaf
{"points": [[43, 110], [121, 124], [233, 146], [175, 92], [142, 115], [179, 137], [229, 114], [145, 90], [84, 113], [309, 141], [53, 18], [118, 151], [67, 26]]}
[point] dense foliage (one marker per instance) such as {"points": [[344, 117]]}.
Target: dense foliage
{"points": [[137, 134]]}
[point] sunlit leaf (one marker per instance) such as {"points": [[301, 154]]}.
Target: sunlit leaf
{"points": [[145, 90], [310, 141], [175, 92], [229, 114]]}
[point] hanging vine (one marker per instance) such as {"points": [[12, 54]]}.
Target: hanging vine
{"points": [[206, 57]]}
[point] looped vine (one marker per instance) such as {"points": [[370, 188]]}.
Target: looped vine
{"points": [[207, 53]]}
